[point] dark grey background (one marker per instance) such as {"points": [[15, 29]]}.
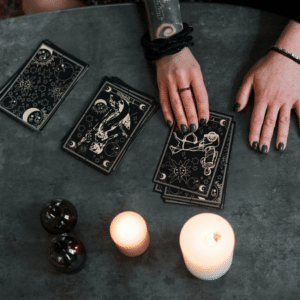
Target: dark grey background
{"points": [[262, 198]]}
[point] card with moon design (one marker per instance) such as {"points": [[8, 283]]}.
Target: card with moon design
{"points": [[107, 127], [190, 160], [216, 198], [39, 88]]}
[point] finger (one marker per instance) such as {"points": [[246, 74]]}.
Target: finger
{"points": [[256, 122], [177, 107], [243, 94], [268, 128], [201, 98], [297, 111], [165, 104], [189, 108], [283, 127]]}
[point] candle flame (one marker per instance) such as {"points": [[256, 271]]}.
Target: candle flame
{"points": [[216, 236]]}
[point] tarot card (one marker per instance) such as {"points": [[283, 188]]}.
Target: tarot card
{"points": [[145, 97], [107, 127], [158, 188], [131, 91], [216, 197], [36, 92], [190, 161]]}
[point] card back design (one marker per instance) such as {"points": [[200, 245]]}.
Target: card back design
{"points": [[44, 82]]}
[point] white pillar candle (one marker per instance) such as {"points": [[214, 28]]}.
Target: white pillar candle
{"points": [[129, 232], [207, 243]]}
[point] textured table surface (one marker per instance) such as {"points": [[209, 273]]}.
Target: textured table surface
{"points": [[262, 197]]}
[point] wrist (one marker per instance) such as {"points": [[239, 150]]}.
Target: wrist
{"points": [[289, 38]]}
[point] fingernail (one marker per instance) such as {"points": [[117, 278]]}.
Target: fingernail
{"points": [[203, 122], [193, 127], [264, 149], [183, 128], [169, 123], [255, 145], [280, 147], [236, 107]]}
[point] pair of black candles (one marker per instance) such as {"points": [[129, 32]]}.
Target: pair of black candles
{"points": [[67, 252]]}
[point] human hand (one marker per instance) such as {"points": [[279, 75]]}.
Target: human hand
{"points": [[178, 71], [275, 80]]}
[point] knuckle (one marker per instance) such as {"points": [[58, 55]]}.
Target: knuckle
{"points": [[270, 122], [257, 120], [195, 69], [179, 73], [284, 120], [169, 78], [164, 109]]}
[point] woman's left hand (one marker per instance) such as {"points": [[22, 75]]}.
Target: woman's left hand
{"points": [[275, 80]]}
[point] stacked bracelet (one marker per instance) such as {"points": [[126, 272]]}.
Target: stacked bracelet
{"points": [[286, 53], [167, 46]]}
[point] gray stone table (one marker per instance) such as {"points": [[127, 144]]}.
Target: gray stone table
{"points": [[262, 198]]}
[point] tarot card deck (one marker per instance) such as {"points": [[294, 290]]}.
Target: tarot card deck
{"points": [[109, 124], [193, 166], [36, 91]]}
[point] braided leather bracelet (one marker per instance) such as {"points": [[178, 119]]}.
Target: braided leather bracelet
{"points": [[166, 46], [286, 53]]}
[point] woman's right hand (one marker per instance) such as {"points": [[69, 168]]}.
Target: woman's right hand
{"points": [[190, 107]]}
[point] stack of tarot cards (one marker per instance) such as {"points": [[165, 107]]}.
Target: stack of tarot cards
{"points": [[193, 167], [109, 124], [36, 91]]}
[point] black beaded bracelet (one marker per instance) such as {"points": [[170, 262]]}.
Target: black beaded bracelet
{"points": [[166, 46], [286, 53]]}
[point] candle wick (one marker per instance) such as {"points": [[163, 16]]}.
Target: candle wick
{"points": [[216, 236]]}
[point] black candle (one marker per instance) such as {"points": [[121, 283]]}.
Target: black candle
{"points": [[58, 216], [67, 253]]}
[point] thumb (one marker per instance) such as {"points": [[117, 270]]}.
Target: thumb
{"points": [[243, 94]]}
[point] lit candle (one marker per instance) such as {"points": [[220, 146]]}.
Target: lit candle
{"points": [[129, 232], [207, 243]]}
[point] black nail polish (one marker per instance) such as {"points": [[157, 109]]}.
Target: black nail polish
{"points": [[203, 122], [169, 123], [264, 149], [236, 107], [193, 127], [280, 147], [183, 128], [255, 145]]}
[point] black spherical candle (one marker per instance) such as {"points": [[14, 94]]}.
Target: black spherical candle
{"points": [[67, 253], [58, 216]]}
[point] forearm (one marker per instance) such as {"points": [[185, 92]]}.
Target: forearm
{"points": [[290, 37], [164, 18]]}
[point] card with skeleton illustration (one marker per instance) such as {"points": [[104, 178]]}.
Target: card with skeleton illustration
{"points": [[107, 127], [216, 196], [145, 97], [190, 160], [38, 89], [128, 90]]}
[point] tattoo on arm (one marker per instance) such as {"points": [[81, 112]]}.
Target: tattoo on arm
{"points": [[164, 18]]}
